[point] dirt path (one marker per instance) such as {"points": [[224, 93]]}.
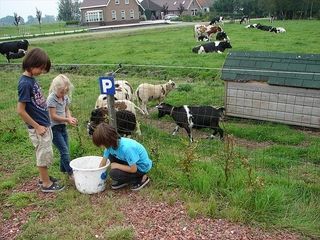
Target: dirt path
{"points": [[151, 220]]}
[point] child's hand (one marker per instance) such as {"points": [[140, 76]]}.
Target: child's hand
{"points": [[72, 121], [41, 130]]}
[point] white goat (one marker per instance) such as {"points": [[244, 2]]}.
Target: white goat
{"points": [[146, 92], [124, 90]]}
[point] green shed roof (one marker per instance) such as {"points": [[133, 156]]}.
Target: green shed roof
{"points": [[285, 69]]}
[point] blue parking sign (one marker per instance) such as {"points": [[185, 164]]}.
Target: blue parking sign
{"points": [[107, 85]]}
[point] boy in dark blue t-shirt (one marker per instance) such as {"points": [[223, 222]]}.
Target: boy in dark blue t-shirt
{"points": [[32, 108]]}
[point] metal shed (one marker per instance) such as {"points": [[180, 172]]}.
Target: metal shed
{"points": [[277, 87]]}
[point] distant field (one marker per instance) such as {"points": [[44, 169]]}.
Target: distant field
{"points": [[7, 31], [264, 174]]}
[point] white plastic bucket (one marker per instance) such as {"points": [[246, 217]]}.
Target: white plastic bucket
{"points": [[88, 176]]}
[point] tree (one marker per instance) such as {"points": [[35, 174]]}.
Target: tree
{"points": [[17, 19], [39, 15], [181, 8], [69, 10], [165, 9]]}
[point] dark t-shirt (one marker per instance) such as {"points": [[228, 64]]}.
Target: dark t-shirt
{"points": [[29, 92]]}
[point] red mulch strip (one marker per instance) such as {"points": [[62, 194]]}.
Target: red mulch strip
{"points": [[152, 220]]}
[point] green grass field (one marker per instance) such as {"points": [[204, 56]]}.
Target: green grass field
{"points": [[263, 174]]}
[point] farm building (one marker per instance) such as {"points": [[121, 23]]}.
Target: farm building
{"points": [[110, 12], [277, 87]]}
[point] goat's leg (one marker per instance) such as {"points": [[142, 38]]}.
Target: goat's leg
{"points": [[138, 130], [144, 108], [188, 130], [176, 129]]}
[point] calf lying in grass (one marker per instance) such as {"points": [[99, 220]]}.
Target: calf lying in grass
{"points": [[189, 117]]}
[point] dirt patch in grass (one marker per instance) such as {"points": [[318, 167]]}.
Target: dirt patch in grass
{"points": [[10, 228]]}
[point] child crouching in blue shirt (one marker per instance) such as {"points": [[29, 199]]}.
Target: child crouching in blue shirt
{"points": [[129, 159]]}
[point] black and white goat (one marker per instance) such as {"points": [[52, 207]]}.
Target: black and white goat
{"points": [[189, 117], [126, 121]]}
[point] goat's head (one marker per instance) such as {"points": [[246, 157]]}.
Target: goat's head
{"points": [[170, 85], [163, 109], [98, 115]]}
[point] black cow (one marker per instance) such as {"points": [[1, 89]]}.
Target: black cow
{"points": [[189, 117], [216, 46], [216, 20], [13, 50]]}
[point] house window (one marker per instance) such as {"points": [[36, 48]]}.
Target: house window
{"points": [[194, 12], [117, 2], [94, 16], [132, 14], [114, 15], [126, 1], [123, 14]]}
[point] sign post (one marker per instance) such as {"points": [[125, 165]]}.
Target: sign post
{"points": [[107, 87]]}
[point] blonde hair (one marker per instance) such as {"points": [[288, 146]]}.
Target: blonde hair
{"points": [[61, 82]]}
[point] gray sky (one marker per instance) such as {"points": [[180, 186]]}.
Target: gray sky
{"points": [[24, 8]]}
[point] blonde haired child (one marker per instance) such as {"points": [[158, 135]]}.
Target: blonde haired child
{"points": [[58, 102]]}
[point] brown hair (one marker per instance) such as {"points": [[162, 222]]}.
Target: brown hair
{"points": [[36, 58], [105, 135]]}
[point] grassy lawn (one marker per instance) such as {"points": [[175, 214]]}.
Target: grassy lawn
{"points": [[263, 174]]}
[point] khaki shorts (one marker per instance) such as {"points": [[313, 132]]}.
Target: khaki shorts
{"points": [[43, 146]]}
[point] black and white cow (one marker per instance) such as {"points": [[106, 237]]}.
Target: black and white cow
{"points": [[216, 46], [189, 117], [251, 26], [245, 19], [217, 20], [278, 30], [264, 27], [14, 49], [222, 36]]}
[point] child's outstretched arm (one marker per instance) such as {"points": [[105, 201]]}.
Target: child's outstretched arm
{"points": [[103, 162]]}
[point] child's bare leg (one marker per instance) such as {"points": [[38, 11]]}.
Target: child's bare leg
{"points": [[44, 176]]}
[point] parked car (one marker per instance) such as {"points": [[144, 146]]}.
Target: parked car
{"points": [[171, 17]]}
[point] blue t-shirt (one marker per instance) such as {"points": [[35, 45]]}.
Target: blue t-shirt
{"points": [[30, 93], [131, 152]]}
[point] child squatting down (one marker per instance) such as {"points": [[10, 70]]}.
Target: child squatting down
{"points": [[129, 159]]}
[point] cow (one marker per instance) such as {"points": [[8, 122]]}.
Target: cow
{"points": [[189, 117], [251, 26], [264, 27], [278, 30], [14, 49], [222, 36], [205, 33], [216, 20], [245, 19], [217, 46]]}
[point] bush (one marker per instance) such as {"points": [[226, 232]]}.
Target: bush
{"points": [[72, 22]]}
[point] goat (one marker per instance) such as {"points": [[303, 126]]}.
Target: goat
{"points": [[189, 117], [126, 121], [146, 92]]}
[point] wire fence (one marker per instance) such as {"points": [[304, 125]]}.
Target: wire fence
{"points": [[269, 148]]}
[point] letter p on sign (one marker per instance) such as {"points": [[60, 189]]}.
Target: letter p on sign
{"points": [[107, 85]]}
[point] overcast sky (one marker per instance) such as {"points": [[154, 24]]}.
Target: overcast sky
{"points": [[24, 8]]}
